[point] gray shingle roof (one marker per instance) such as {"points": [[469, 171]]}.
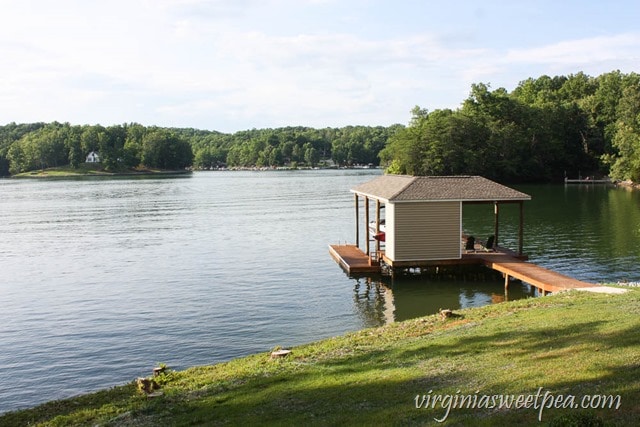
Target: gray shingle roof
{"points": [[403, 188]]}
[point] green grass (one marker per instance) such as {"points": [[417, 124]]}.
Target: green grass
{"points": [[88, 169], [574, 343], [63, 171]]}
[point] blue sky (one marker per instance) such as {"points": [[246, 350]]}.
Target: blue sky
{"points": [[231, 65]]}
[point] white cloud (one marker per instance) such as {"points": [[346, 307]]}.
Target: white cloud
{"points": [[232, 65], [582, 52]]}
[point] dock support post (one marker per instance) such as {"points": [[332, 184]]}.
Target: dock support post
{"points": [[366, 225], [506, 282], [521, 228], [377, 225], [357, 221], [496, 222]]}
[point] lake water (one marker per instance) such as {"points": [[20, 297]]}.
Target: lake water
{"points": [[101, 279]]}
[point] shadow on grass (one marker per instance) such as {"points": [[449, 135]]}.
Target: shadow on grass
{"points": [[379, 386]]}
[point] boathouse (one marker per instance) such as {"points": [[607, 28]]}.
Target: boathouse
{"points": [[423, 215], [423, 228]]}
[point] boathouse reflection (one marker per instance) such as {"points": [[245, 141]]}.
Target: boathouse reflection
{"points": [[382, 300]]}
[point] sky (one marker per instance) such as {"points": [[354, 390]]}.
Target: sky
{"points": [[231, 65]]}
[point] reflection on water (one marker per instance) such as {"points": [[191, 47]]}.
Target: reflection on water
{"points": [[385, 300], [373, 301]]}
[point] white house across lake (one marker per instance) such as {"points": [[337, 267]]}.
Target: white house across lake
{"points": [[93, 157]]}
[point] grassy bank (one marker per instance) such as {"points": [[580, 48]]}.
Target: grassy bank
{"points": [[92, 169], [577, 343]]}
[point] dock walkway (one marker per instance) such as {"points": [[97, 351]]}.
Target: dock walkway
{"points": [[587, 181], [545, 280]]}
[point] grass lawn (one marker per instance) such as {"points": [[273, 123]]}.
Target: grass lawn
{"points": [[408, 373], [88, 169], [63, 171]]}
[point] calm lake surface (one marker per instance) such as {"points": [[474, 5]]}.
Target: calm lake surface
{"points": [[101, 279]]}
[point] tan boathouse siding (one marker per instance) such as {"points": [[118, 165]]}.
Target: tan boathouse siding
{"points": [[423, 231]]}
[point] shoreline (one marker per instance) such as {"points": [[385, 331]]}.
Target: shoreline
{"points": [[308, 383], [91, 172], [57, 173], [628, 184]]}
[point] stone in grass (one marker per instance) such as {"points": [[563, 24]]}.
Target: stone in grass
{"points": [[280, 353], [159, 370], [447, 314], [148, 386]]}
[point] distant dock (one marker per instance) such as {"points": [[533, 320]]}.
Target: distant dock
{"points": [[587, 181]]}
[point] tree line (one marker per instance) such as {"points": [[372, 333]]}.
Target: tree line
{"points": [[291, 146], [26, 147], [545, 129]]}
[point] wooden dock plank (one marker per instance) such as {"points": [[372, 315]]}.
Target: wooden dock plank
{"points": [[352, 259], [540, 277]]}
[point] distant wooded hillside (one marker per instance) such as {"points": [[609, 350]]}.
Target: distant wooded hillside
{"points": [[545, 129], [25, 147]]}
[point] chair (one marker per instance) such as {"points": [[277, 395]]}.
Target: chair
{"points": [[488, 247], [470, 245]]}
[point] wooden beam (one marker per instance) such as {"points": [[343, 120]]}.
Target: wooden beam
{"points": [[366, 225], [357, 220], [496, 222], [377, 225], [521, 229]]}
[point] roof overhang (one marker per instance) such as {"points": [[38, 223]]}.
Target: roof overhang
{"points": [[465, 189]]}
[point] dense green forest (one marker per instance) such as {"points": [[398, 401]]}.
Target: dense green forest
{"points": [[545, 129], [26, 147]]}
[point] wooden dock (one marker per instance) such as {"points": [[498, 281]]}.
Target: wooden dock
{"points": [[433, 207], [587, 181], [354, 261], [544, 280]]}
